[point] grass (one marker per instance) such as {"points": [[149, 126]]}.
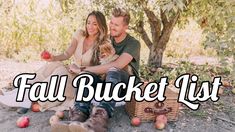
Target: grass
{"points": [[198, 113]]}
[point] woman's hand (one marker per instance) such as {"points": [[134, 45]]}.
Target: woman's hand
{"points": [[47, 56], [52, 58], [74, 69]]}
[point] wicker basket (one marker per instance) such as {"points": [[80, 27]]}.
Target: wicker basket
{"points": [[148, 111]]}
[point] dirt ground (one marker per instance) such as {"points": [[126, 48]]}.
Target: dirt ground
{"points": [[209, 118]]}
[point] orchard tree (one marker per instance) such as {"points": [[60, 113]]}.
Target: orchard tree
{"points": [[217, 18], [154, 21]]}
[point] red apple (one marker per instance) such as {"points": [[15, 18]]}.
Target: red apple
{"points": [[60, 114], [159, 125], [23, 122], [161, 118], [35, 107], [135, 121], [45, 55], [54, 119], [226, 84]]}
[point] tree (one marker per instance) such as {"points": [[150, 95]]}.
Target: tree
{"points": [[217, 18], [161, 16], [154, 21]]}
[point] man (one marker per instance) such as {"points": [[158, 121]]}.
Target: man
{"points": [[128, 49]]}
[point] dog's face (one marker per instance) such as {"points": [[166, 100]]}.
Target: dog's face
{"points": [[106, 50]]}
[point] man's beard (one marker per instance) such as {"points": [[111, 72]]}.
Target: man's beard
{"points": [[117, 35]]}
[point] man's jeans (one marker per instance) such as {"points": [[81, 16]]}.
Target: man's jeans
{"points": [[114, 76]]}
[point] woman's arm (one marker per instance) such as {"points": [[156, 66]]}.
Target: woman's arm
{"points": [[68, 52], [74, 69]]}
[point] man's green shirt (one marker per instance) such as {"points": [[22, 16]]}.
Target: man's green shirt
{"points": [[131, 46]]}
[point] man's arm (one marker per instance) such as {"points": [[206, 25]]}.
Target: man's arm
{"points": [[123, 60]]}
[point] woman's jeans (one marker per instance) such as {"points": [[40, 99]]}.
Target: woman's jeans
{"points": [[114, 76]]}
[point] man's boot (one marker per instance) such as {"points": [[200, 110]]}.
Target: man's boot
{"points": [[98, 122], [75, 115]]}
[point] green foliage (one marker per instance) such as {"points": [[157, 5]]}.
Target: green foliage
{"points": [[31, 26], [135, 7], [27, 25], [172, 71], [217, 19]]}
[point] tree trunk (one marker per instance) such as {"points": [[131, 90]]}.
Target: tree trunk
{"points": [[155, 56]]}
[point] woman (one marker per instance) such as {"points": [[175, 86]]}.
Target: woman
{"points": [[84, 47]]}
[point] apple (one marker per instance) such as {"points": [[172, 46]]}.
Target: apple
{"points": [[226, 84], [135, 121], [23, 122], [60, 114], [35, 107], [221, 91], [45, 55], [161, 118], [159, 125], [233, 90], [54, 119]]}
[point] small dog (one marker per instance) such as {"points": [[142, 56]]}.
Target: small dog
{"points": [[107, 54]]}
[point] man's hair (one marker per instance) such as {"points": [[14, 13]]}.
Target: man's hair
{"points": [[118, 12]]}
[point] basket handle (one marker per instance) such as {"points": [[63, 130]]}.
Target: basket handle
{"points": [[162, 111], [159, 109], [159, 105]]}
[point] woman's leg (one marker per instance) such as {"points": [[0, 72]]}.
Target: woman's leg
{"points": [[45, 71], [42, 73], [69, 90]]}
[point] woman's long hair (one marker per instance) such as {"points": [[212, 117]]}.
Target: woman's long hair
{"points": [[102, 35]]}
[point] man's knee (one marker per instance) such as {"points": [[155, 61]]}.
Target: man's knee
{"points": [[113, 70]]}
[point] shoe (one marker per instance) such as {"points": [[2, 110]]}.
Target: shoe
{"points": [[22, 110], [98, 122], [76, 115], [61, 126]]}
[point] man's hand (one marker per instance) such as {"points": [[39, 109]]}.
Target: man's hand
{"points": [[123, 60]]}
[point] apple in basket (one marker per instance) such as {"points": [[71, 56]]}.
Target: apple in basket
{"points": [[60, 114], [161, 118], [45, 55], [23, 122], [54, 119], [135, 121], [35, 107]]}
